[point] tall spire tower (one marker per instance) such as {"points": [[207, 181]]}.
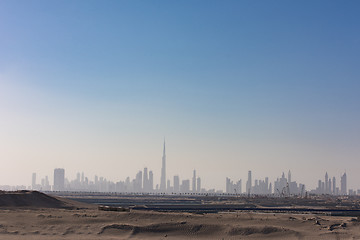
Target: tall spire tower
{"points": [[163, 172]]}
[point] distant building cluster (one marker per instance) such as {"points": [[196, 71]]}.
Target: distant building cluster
{"points": [[232, 187], [144, 183], [260, 187], [284, 186], [45, 184], [328, 186]]}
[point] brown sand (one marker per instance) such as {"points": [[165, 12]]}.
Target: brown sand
{"points": [[95, 224], [62, 219]]}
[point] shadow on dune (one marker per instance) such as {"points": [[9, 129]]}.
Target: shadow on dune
{"points": [[255, 230], [185, 229], [180, 228]]}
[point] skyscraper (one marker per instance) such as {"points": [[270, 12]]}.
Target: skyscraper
{"points": [[59, 179], [138, 182], [185, 186], [33, 182], [163, 172], [151, 181], [146, 181], [198, 185], [343, 186], [249, 183], [289, 177], [168, 186], [326, 183], [194, 181], [176, 184]]}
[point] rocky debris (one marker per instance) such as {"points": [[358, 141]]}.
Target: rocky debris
{"points": [[336, 226]]}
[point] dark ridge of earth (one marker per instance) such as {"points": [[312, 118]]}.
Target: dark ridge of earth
{"points": [[35, 199]]}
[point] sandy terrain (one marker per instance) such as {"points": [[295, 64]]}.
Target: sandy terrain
{"points": [[95, 224], [33, 215]]}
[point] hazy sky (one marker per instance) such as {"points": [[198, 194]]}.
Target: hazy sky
{"points": [[95, 86]]}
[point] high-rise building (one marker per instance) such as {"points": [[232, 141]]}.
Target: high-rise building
{"points": [[343, 185], [249, 183], [289, 177], [326, 183], [185, 186], [151, 181], [198, 185], [59, 179], [176, 184], [228, 185], [163, 172], [146, 181], [138, 182], [33, 182], [320, 191], [168, 186], [334, 186], [46, 185], [194, 181]]}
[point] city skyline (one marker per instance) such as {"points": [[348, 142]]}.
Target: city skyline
{"points": [[234, 86], [144, 182], [281, 187], [317, 187]]}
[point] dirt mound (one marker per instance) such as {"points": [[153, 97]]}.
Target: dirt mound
{"points": [[33, 199], [255, 230], [190, 230], [174, 229]]}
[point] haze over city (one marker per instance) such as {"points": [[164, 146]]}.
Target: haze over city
{"points": [[143, 183], [233, 86]]}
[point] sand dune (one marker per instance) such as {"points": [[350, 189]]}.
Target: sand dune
{"points": [[94, 224], [35, 199], [28, 199], [184, 229], [173, 229]]}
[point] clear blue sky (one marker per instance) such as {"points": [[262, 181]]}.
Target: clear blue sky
{"points": [[233, 85]]}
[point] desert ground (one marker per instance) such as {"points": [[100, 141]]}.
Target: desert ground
{"points": [[64, 219]]}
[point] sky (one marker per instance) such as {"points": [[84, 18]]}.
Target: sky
{"points": [[96, 86]]}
